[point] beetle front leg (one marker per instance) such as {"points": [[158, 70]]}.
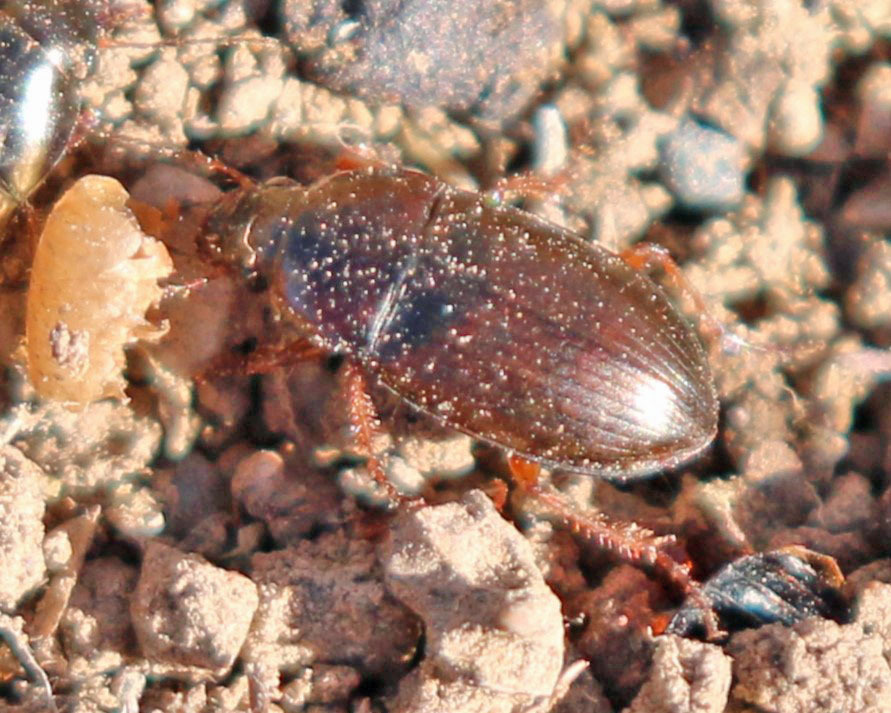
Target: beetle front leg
{"points": [[267, 357], [366, 425], [262, 360]]}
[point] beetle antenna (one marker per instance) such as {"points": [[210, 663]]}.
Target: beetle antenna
{"points": [[184, 288]]}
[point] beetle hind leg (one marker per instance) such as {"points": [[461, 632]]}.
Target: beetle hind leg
{"points": [[629, 542], [636, 545]]}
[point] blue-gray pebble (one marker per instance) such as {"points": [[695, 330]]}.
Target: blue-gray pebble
{"points": [[702, 167]]}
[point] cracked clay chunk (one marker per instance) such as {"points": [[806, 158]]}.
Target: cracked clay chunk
{"points": [[494, 629], [686, 677], [22, 565], [187, 611], [818, 665]]}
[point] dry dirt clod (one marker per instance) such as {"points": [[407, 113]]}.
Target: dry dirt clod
{"points": [[818, 665], [322, 601], [289, 498], [96, 629], [686, 677], [22, 566], [187, 611], [473, 580]]}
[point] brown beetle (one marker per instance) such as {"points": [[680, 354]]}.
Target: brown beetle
{"points": [[490, 320]]}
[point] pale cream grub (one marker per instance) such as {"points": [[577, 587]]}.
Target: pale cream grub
{"points": [[95, 274]]}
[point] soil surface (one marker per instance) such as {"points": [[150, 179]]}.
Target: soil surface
{"points": [[187, 519]]}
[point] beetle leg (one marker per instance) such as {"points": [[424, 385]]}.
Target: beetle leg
{"points": [[267, 357], [526, 185], [262, 360], [364, 419], [647, 256], [524, 473], [629, 542], [498, 493], [213, 165]]}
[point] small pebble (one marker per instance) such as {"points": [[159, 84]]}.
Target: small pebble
{"points": [[551, 140], [874, 121], [57, 551], [796, 121], [248, 103], [868, 300], [703, 167], [135, 512]]}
